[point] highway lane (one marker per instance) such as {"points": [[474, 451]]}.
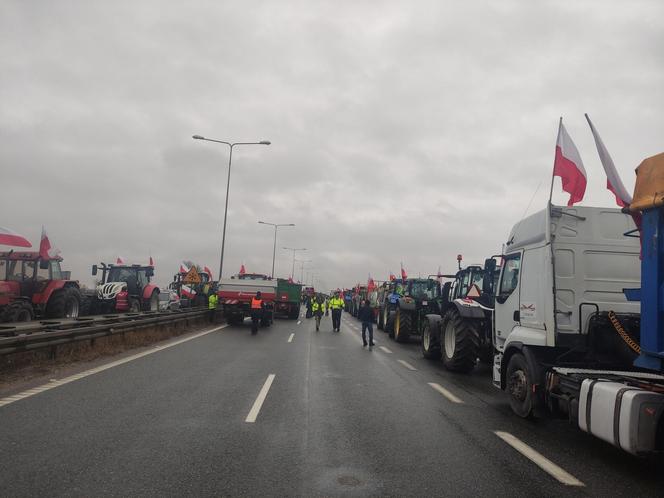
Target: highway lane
{"points": [[338, 419]]}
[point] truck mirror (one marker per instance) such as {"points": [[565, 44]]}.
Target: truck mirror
{"points": [[94, 269], [489, 270]]}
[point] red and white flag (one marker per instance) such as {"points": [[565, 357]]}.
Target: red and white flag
{"points": [[242, 270], [10, 238], [613, 181], [569, 167], [183, 268], [46, 250], [392, 277], [120, 261], [151, 263], [371, 285], [404, 275], [208, 271]]}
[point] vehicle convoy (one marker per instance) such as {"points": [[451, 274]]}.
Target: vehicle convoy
{"points": [[462, 331], [359, 294], [568, 340], [123, 288], [35, 287], [235, 295], [388, 297], [288, 298], [421, 297]]}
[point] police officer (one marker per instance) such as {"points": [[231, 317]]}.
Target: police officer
{"points": [[213, 300], [256, 312], [317, 309], [337, 306]]}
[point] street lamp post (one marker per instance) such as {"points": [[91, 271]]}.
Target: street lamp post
{"points": [[274, 249], [302, 263], [228, 184], [294, 249]]}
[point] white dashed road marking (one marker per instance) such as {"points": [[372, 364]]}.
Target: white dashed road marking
{"points": [[253, 413], [538, 459], [407, 365], [385, 350], [299, 322], [57, 383], [445, 392], [290, 339]]}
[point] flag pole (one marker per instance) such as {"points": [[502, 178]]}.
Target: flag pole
{"points": [[553, 170]]}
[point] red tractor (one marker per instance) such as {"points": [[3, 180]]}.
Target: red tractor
{"points": [[124, 288], [35, 287]]}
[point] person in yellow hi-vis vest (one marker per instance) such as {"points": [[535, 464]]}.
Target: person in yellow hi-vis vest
{"points": [[337, 306], [213, 300]]}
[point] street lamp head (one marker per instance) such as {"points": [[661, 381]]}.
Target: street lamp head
{"points": [[263, 142], [198, 137]]}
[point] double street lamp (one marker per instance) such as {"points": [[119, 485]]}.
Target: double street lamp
{"points": [[294, 249], [274, 249], [228, 183]]}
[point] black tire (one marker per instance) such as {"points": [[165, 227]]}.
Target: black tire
{"points": [[431, 340], [294, 312], [134, 306], [64, 303], [381, 319], [389, 324], [403, 326], [18, 311], [486, 355], [519, 386], [459, 342], [86, 306], [386, 314]]}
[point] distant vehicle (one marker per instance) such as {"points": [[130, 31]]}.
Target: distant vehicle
{"points": [[124, 288], [235, 295], [169, 300], [33, 287], [288, 298]]}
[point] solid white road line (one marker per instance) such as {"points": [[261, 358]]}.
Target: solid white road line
{"points": [[538, 459], [385, 350], [57, 383], [445, 393], [253, 413], [290, 339], [299, 322], [407, 365]]}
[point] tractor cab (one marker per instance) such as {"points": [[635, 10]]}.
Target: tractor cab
{"points": [[125, 288]]}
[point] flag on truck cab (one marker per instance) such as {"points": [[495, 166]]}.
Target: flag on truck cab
{"points": [[242, 270], [404, 275], [151, 263], [119, 261], [371, 285], [46, 249], [569, 167]]}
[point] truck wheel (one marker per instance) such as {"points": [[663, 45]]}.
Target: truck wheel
{"points": [[389, 324], [294, 312], [381, 319], [403, 326], [64, 303], [18, 311], [460, 342], [520, 386], [430, 341], [152, 304]]}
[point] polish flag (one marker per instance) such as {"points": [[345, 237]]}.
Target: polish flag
{"points": [[404, 275], [371, 285], [208, 271], [569, 167], [613, 181], [46, 250], [392, 277], [242, 270], [183, 268], [151, 262], [119, 261], [11, 238]]}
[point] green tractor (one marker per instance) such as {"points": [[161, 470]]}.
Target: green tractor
{"points": [[461, 333], [421, 297]]}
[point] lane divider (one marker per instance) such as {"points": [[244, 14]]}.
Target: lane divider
{"points": [[445, 392], [407, 365], [253, 413], [540, 460], [57, 383], [385, 350], [290, 339]]}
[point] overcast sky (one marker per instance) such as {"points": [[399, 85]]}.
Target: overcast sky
{"points": [[401, 131]]}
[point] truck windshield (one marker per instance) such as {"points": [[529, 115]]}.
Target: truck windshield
{"points": [[423, 290], [120, 274]]}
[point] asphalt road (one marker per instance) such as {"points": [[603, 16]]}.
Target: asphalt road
{"points": [[336, 419]]}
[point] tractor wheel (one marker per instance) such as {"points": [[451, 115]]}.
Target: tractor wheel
{"points": [[386, 315], [134, 306], [460, 341], [86, 306], [403, 326], [64, 303], [389, 324], [520, 386], [152, 304], [431, 340], [381, 319], [19, 311]]}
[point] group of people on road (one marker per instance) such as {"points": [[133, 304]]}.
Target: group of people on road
{"points": [[320, 306]]}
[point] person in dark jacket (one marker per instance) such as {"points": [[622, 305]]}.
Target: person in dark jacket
{"points": [[365, 315]]}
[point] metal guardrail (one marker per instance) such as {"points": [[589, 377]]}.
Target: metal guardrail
{"points": [[41, 334]]}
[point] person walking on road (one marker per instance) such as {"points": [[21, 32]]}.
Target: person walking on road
{"points": [[213, 300], [337, 306], [365, 315], [256, 312], [317, 308]]}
